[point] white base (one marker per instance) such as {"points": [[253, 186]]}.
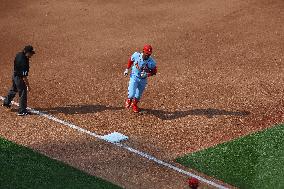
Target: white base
{"points": [[114, 137]]}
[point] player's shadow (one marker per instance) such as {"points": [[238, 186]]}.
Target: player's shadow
{"points": [[209, 113], [79, 109]]}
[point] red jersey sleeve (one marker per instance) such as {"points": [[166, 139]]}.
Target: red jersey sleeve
{"points": [[130, 63]]}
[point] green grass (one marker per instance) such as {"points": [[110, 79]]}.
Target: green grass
{"points": [[251, 162], [21, 167]]}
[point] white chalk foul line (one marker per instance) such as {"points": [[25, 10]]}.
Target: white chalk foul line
{"points": [[137, 152]]}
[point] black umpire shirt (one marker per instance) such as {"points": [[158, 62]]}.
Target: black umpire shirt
{"points": [[21, 65]]}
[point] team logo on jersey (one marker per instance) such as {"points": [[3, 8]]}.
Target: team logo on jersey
{"points": [[137, 65]]}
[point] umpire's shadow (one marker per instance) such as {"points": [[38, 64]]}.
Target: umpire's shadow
{"points": [[209, 113], [79, 109]]}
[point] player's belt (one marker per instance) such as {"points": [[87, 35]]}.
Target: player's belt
{"points": [[138, 76]]}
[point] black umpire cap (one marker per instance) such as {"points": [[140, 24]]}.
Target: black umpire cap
{"points": [[29, 48]]}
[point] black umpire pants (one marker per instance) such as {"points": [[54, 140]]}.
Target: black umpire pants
{"points": [[18, 85]]}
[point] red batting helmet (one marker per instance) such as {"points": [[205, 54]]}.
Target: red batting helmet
{"points": [[147, 49], [193, 183]]}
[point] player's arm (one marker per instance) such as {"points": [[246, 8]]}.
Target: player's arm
{"points": [[25, 73], [129, 64], [153, 71], [25, 78]]}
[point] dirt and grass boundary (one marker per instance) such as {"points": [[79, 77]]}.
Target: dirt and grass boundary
{"points": [[253, 161]]}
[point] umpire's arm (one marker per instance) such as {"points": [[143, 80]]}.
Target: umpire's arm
{"points": [[25, 78]]}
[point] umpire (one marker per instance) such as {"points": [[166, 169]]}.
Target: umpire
{"points": [[20, 82]]}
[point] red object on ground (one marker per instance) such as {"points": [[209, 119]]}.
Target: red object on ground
{"points": [[193, 183]]}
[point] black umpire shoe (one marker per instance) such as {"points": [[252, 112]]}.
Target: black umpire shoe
{"points": [[25, 113], [6, 105]]}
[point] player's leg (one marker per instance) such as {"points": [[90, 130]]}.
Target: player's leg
{"points": [[131, 90], [23, 94], [23, 101], [140, 88], [138, 94], [11, 94]]}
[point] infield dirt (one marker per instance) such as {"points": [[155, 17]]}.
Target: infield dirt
{"points": [[220, 76]]}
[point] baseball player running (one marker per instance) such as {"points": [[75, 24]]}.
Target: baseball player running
{"points": [[142, 66]]}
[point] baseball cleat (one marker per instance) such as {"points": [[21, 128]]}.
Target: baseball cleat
{"points": [[128, 103], [135, 108], [134, 105]]}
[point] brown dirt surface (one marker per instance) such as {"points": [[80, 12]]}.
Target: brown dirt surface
{"points": [[220, 77]]}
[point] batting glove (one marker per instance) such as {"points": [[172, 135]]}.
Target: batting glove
{"points": [[143, 74], [125, 72]]}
